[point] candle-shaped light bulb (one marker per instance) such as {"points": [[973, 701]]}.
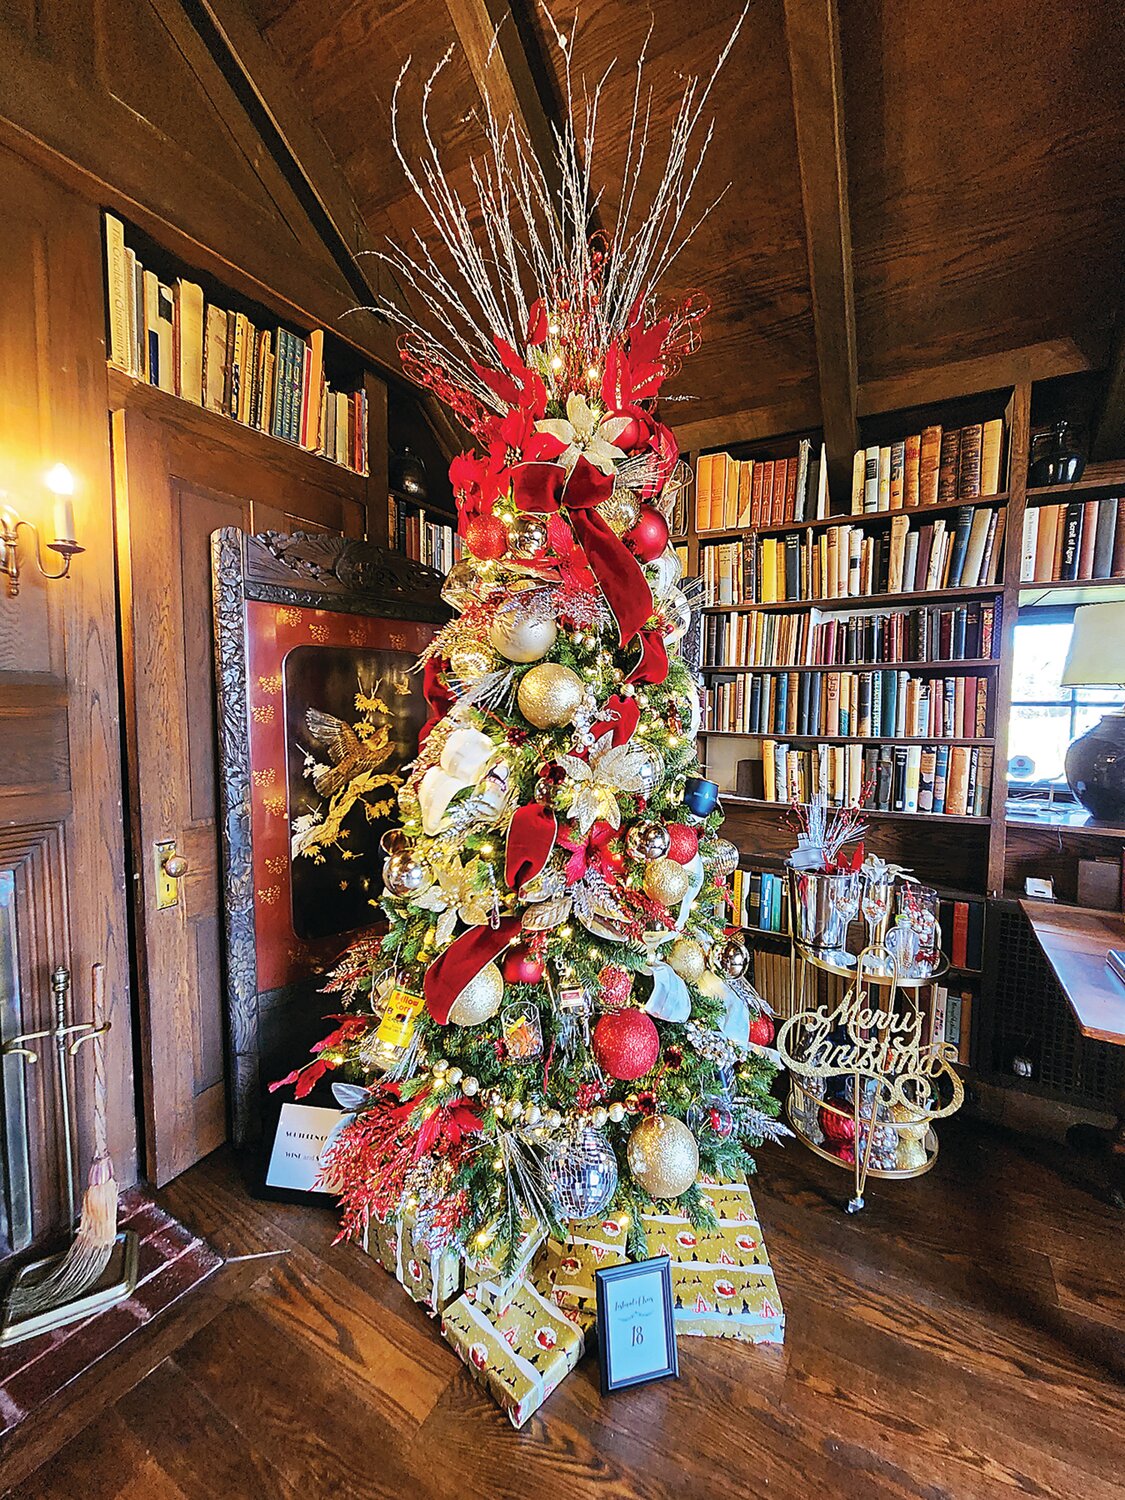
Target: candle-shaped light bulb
{"points": [[60, 481]]}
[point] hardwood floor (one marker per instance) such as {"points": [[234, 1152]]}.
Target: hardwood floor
{"points": [[962, 1339]]}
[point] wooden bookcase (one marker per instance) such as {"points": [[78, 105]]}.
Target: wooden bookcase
{"points": [[964, 856]]}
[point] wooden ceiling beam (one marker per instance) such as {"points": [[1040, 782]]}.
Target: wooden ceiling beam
{"points": [[812, 31], [982, 372], [491, 39], [795, 415]]}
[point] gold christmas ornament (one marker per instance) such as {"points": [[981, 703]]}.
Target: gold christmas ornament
{"points": [[663, 1156], [549, 695], [527, 537], [620, 512], [731, 958], [470, 662], [480, 999], [687, 958], [666, 881], [521, 639]]}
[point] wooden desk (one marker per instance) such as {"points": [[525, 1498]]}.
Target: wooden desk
{"points": [[1074, 940]]}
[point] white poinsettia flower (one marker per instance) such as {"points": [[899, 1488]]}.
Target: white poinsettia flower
{"points": [[588, 433], [597, 781]]}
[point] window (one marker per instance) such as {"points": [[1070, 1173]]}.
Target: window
{"points": [[1047, 717]]}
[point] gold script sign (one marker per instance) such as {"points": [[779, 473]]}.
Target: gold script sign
{"points": [[859, 1038]]}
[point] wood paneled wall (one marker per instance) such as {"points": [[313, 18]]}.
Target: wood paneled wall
{"points": [[61, 830]]}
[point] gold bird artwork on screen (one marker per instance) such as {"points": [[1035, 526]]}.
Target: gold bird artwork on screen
{"points": [[355, 772]]}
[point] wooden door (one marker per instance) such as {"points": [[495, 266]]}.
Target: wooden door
{"points": [[179, 475]]}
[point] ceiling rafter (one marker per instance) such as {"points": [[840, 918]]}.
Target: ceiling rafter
{"points": [[812, 31]]}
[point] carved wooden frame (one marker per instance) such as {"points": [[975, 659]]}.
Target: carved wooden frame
{"points": [[310, 572]]}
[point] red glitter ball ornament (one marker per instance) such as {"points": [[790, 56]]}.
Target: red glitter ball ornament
{"points": [[685, 843], [615, 987], [836, 1128], [521, 966], [626, 1044], [649, 537], [761, 1031], [486, 537]]}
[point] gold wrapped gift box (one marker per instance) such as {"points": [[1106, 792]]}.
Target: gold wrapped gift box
{"points": [[431, 1277], [519, 1355], [722, 1280], [590, 1245], [487, 1284]]}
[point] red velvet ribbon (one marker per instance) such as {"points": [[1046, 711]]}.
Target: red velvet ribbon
{"points": [[624, 726], [545, 489], [652, 668], [463, 960], [531, 838], [440, 698]]}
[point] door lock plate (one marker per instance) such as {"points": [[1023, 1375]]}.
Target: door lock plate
{"points": [[167, 886]]}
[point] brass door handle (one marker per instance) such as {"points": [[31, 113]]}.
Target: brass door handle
{"points": [[174, 865], [169, 866]]}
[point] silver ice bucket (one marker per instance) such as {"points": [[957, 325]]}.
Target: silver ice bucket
{"points": [[817, 897]]}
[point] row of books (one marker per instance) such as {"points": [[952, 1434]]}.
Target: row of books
{"points": [[1075, 540], [962, 932], [773, 981], [937, 779], [752, 492], [936, 466], [866, 705], [412, 533], [761, 638], [847, 562], [951, 1020], [270, 379], [759, 900]]}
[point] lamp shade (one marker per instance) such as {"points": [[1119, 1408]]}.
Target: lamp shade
{"points": [[1097, 647]]}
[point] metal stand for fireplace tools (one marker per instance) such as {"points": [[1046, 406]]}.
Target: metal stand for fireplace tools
{"points": [[24, 1314]]}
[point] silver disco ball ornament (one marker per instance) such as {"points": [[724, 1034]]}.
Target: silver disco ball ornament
{"points": [[651, 767], [580, 1172]]}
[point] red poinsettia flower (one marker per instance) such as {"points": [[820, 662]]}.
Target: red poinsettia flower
{"points": [[517, 442], [309, 1076], [537, 323], [515, 384]]}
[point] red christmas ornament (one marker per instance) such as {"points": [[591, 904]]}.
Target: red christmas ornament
{"points": [[486, 537], [649, 537], [626, 1044], [674, 1057], [761, 1031], [646, 1102], [521, 966], [615, 986], [838, 1129], [685, 843]]}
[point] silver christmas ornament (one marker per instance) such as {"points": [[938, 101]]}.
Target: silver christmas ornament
{"points": [[404, 874], [460, 586], [580, 1173], [731, 959], [651, 767], [648, 840], [527, 537], [724, 860]]}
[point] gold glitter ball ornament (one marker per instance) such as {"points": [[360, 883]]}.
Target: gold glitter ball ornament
{"points": [[687, 958], [520, 638], [666, 881], [480, 999], [470, 662], [549, 695], [663, 1156]]}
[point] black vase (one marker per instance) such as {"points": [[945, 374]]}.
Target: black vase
{"points": [[1095, 769], [1058, 458]]}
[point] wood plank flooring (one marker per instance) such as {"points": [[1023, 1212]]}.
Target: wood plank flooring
{"points": [[962, 1339]]}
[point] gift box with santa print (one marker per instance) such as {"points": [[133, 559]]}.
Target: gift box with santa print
{"points": [[431, 1277], [485, 1279], [520, 1355], [590, 1245], [722, 1280]]}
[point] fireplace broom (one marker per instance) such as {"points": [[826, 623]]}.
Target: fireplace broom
{"points": [[89, 1253]]}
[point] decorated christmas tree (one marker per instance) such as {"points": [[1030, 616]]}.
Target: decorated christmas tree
{"points": [[558, 1021]]}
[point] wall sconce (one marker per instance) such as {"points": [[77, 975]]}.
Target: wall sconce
{"points": [[60, 481]]}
